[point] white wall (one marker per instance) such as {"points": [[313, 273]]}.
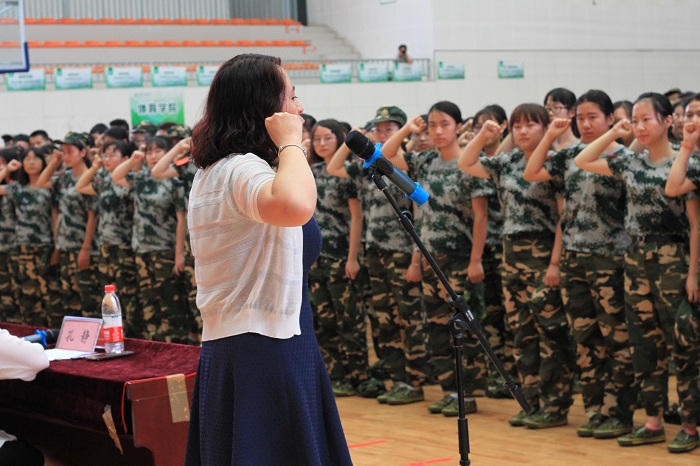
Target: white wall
{"points": [[564, 24], [376, 27], [614, 45]]}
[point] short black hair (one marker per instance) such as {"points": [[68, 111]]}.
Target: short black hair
{"points": [[117, 133], [99, 128], [40, 132], [120, 123]]}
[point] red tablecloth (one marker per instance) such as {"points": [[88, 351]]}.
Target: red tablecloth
{"points": [[77, 391]]}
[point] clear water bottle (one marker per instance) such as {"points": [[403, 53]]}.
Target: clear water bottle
{"points": [[112, 321]]}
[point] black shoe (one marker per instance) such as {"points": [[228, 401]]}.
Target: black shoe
{"points": [[673, 414]]}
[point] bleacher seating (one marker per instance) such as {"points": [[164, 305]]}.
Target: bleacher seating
{"points": [[146, 42]]}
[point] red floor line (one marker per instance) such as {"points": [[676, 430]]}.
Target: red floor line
{"points": [[425, 463], [367, 444]]}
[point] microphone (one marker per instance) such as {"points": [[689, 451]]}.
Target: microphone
{"points": [[363, 148], [43, 337]]}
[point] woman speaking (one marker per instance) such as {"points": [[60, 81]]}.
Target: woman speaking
{"points": [[262, 395]]}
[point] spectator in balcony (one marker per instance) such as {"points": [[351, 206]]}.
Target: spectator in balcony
{"points": [[402, 56]]}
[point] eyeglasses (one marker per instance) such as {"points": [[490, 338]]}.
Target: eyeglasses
{"points": [[324, 139], [556, 108]]}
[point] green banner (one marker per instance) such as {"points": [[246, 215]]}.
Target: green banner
{"points": [[32, 80], [450, 70], [124, 77], [337, 73], [72, 78], [157, 106], [205, 74], [169, 76], [511, 69], [407, 72], [372, 72]]}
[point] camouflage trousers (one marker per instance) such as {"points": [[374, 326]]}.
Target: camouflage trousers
{"points": [[117, 266], [397, 304], [9, 310], [494, 322], [535, 314], [438, 313], [80, 293], [165, 313], [655, 277], [339, 321], [191, 292], [362, 290], [32, 286], [687, 358], [594, 298]]}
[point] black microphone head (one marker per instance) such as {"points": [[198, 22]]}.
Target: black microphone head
{"points": [[52, 336], [359, 144]]}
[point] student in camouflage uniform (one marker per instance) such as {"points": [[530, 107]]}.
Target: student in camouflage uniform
{"points": [[177, 164], [75, 230], [453, 225], [339, 317], [9, 312], [158, 240], [684, 176], [33, 236], [592, 269], [531, 250], [656, 265], [494, 322], [396, 299], [115, 212]]}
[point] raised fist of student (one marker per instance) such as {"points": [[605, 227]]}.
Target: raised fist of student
{"points": [[691, 132], [622, 129], [417, 124], [559, 126], [138, 155], [490, 129], [14, 165]]}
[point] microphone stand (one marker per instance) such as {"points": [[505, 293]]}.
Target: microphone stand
{"points": [[462, 320]]}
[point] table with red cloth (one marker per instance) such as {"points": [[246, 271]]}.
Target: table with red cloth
{"points": [[73, 394]]}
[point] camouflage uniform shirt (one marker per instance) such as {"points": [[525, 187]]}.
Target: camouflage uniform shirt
{"points": [[115, 207], [332, 211], [593, 219], [383, 230], [32, 205], [72, 212], [445, 223], [7, 224], [649, 210], [526, 207], [156, 202], [186, 173]]}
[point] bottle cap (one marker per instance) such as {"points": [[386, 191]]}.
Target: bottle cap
{"points": [[110, 288]]}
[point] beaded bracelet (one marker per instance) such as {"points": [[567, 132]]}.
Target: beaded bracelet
{"points": [[279, 151]]}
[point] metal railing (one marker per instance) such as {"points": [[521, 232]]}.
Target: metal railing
{"points": [[307, 71]]}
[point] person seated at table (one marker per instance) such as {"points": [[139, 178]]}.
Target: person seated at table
{"points": [[20, 359]]}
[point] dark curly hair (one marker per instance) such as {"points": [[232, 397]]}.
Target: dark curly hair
{"points": [[247, 89]]}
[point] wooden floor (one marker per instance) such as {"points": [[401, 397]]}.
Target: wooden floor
{"points": [[382, 435]]}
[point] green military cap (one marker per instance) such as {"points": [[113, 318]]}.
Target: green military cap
{"points": [[179, 131], [79, 140], [145, 126], [390, 114]]}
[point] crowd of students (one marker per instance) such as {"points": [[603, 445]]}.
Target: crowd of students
{"points": [[86, 211], [570, 228]]}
